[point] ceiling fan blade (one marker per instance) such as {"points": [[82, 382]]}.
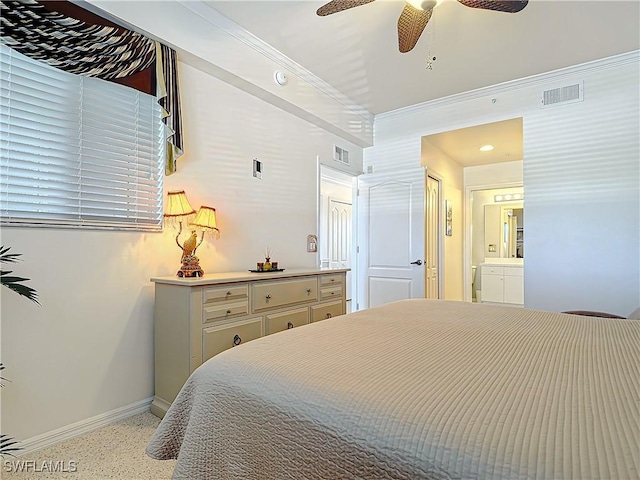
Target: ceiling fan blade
{"points": [[509, 6], [411, 24], [336, 6]]}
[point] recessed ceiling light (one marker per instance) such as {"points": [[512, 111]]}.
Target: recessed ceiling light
{"points": [[486, 148]]}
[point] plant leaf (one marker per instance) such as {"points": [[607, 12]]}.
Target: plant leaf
{"points": [[2, 379], [8, 257], [7, 445], [14, 283]]}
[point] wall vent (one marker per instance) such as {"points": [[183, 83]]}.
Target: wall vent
{"points": [[566, 94], [340, 155]]}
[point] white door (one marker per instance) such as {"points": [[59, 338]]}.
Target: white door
{"points": [[391, 237], [340, 240], [432, 250]]}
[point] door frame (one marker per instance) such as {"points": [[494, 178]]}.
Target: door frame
{"points": [[467, 243]]}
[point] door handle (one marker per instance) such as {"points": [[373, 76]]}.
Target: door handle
{"points": [[417, 262]]}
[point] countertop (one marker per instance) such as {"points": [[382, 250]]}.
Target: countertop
{"points": [[226, 277]]}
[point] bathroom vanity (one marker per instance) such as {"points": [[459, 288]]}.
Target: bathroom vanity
{"points": [[502, 281]]}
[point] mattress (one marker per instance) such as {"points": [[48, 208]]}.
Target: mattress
{"points": [[417, 389]]}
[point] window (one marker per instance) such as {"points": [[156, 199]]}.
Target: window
{"points": [[77, 151]]}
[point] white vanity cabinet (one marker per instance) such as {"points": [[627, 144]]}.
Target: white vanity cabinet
{"points": [[197, 318], [502, 284]]}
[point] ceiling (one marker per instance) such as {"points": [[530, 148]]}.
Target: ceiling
{"points": [[356, 50], [463, 145]]}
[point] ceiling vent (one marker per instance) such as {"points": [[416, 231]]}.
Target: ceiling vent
{"points": [[566, 94], [340, 155]]}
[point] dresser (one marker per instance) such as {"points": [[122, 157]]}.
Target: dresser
{"points": [[197, 318]]}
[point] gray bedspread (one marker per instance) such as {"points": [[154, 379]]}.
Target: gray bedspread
{"points": [[418, 389]]}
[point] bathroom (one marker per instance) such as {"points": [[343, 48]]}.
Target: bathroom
{"points": [[497, 240]]}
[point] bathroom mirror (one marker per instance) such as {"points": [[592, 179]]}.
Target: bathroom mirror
{"points": [[504, 230]]}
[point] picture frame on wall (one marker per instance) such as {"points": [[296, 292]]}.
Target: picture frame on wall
{"points": [[449, 217]]}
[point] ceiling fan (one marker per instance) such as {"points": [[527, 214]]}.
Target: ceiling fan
{"points": [[416, 14]]}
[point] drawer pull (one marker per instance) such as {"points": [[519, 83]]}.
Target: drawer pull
{"points": [[289, 326], [228, 293], [237, 340], [329, 315], [333, 293], [308, 290], [228, 312], [268, 296], [333, 279]]}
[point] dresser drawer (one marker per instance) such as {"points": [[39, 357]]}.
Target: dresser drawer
{"points": [[281, 293], [332, 291], [221, 293], [330, 279], [223, 310], [326, 310], [277, 322], [219, 338]]}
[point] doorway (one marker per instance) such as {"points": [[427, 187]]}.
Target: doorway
{"points": [[495, 230], [336, 245]]}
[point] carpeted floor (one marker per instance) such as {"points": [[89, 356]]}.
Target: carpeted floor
{"points": [[116, 451]]}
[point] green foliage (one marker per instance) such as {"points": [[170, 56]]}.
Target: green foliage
{"points": [[2, 379], [7, 444], [12, 282]]}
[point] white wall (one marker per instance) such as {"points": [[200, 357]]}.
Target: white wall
{"points": [[89, 348], [580, 177]]}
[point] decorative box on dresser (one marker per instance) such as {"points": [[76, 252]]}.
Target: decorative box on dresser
{"points": [[197, 318]]}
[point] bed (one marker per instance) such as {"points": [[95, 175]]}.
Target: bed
{"points": [[417, 389]]}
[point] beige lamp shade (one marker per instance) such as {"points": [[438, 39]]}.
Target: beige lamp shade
{"points": [[206, 220], [177, 208]]}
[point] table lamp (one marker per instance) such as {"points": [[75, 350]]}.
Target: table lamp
{"points": [[180, 210]]}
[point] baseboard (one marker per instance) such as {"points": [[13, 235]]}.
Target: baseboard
{"points": [[84, 426]]}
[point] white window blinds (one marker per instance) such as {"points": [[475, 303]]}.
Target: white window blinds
{"points": [[77, 151]]}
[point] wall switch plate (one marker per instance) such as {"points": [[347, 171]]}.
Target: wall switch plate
{"points": [[257, 168], [312, 243]]}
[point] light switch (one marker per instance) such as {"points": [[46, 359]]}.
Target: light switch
{"points": [[312, 243], [257, 168]]}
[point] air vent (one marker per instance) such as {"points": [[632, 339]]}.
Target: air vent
{"points": [[340, 155], [566, 94]]}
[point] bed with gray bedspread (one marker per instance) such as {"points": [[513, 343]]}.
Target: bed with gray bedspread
{"points": [[417, 389]]}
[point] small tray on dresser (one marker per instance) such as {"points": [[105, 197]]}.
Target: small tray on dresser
{"points": [[268, 271]]}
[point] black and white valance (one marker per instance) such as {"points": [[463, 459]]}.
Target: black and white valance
{"points": [[83, 43]]}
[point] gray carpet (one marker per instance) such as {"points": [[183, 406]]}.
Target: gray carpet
{"points": [[116, 451]]}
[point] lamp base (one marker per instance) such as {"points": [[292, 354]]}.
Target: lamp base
{"points": [[190, 267]]}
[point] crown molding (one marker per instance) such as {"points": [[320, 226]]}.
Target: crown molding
{"points": [[213, 16], [531, 81], [209, 41]]}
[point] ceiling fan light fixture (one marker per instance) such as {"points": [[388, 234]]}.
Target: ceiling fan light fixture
{"points": [[425, 4], [416, 14]]}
